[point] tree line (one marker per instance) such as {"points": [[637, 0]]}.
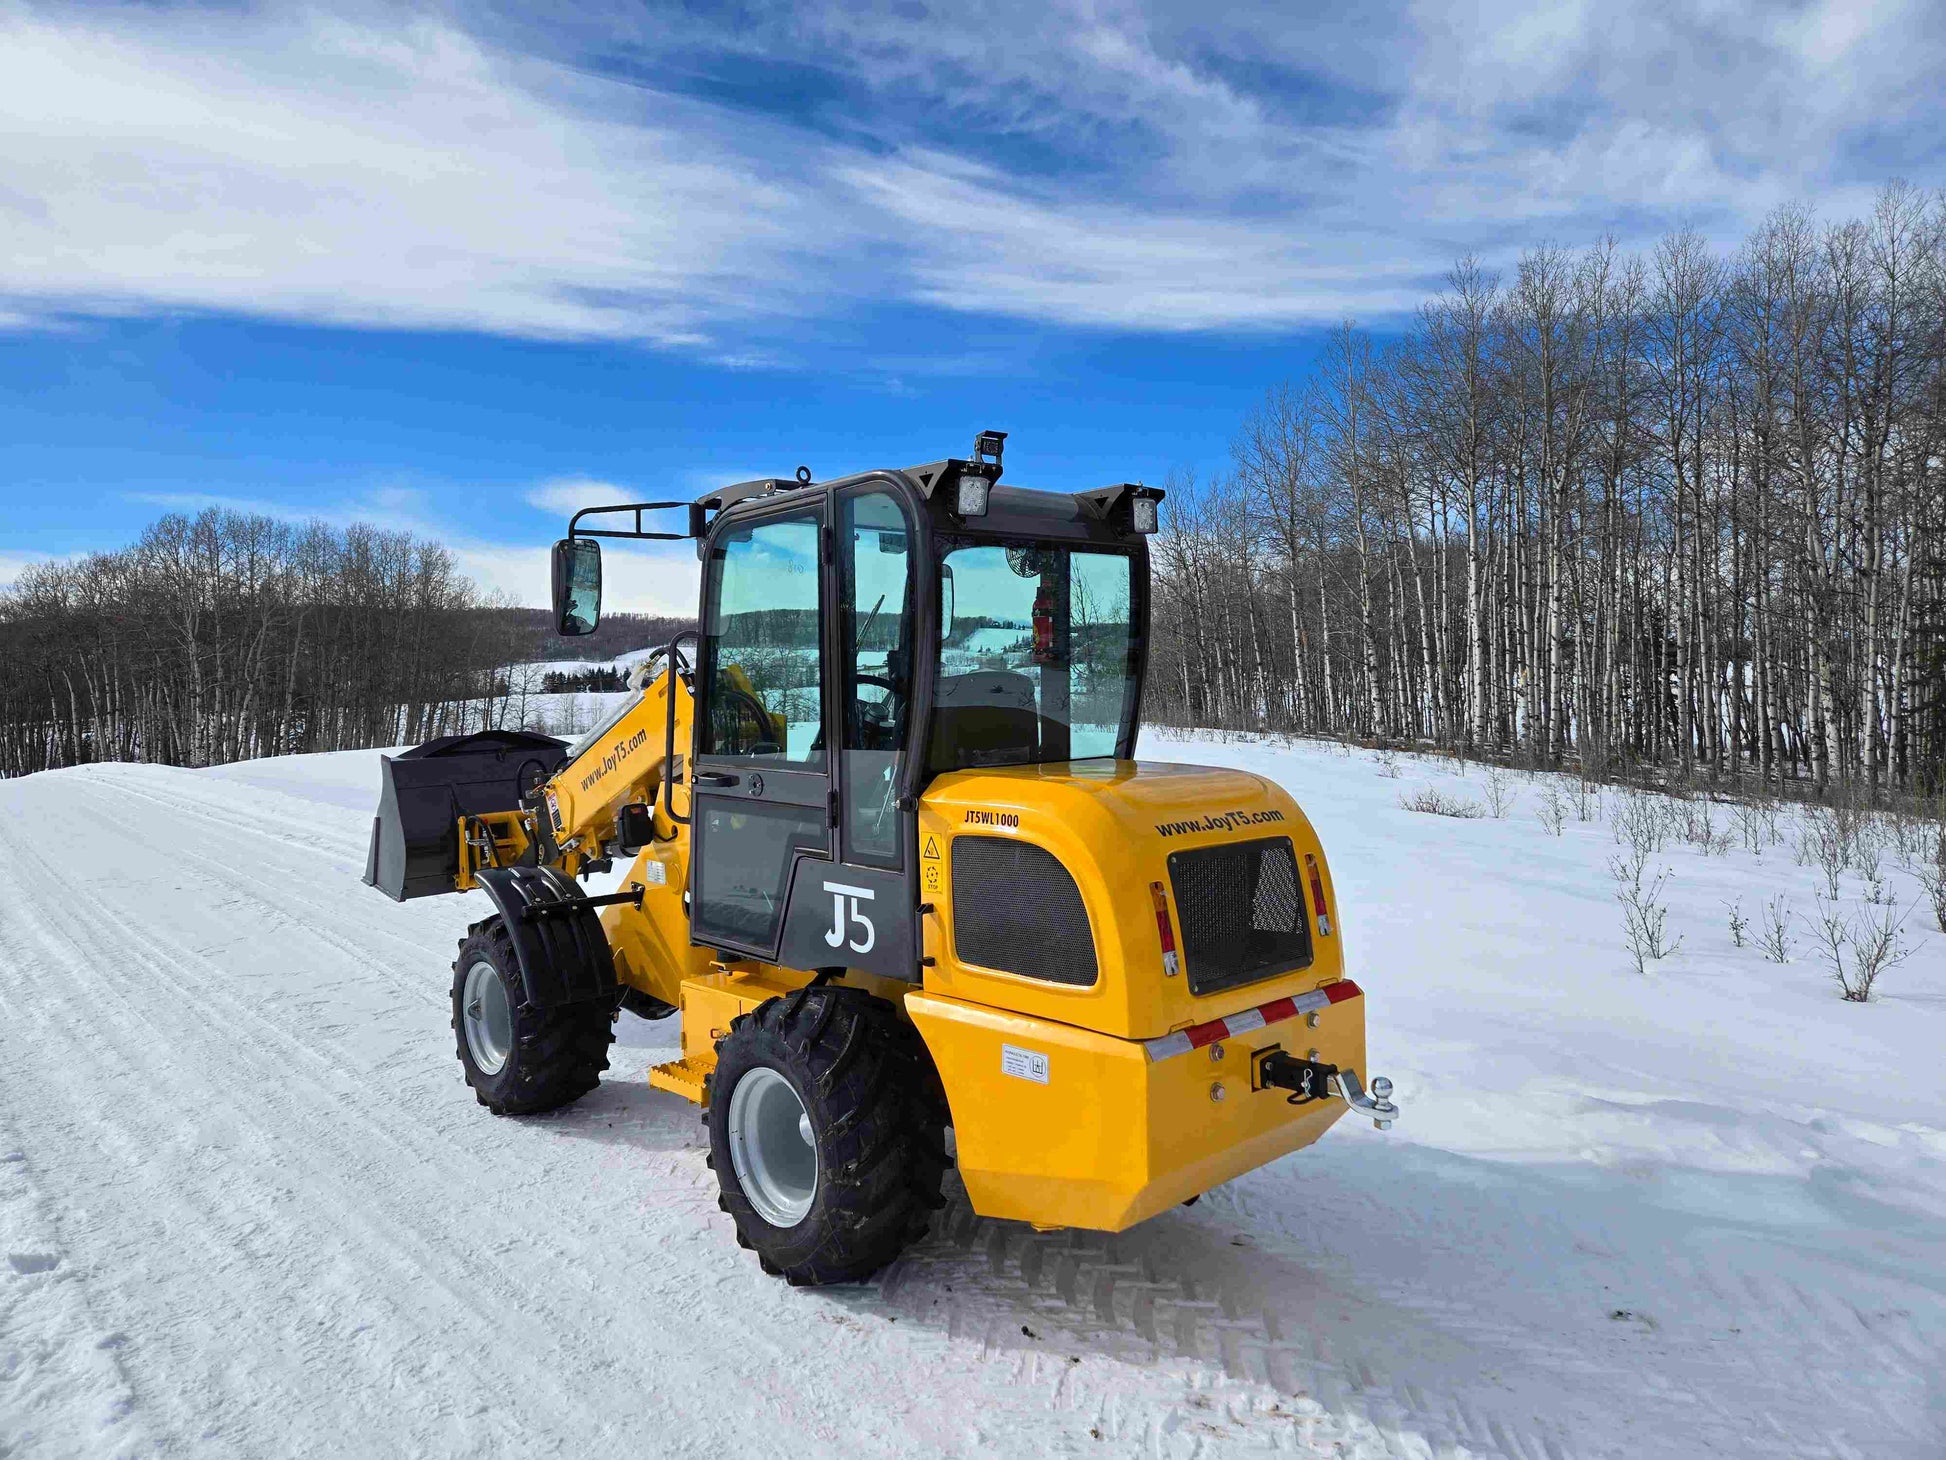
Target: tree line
{"points": [[1682, 511], [226, 636]]}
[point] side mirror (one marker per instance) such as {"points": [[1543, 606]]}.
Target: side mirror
{"points": [[577, 586], [945, 602]]}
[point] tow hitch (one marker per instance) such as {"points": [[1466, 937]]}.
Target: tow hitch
{"points": [[1309, 1080]]}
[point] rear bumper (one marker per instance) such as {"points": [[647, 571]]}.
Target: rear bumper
{"points": [[1064, 1127]]}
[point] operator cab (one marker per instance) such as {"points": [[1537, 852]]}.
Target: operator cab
{"points": [[860, 637]]}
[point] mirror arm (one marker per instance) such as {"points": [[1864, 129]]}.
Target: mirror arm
{"points": [[641, 536], [575, 529]]}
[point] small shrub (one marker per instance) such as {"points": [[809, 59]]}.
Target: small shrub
{"points": [[1776, 937], [1858, 948], [1701, 831], [1877, 943], [1387, 760], [1756, 824], [1851, 825], [1739, 924], [1435, 802], [1825, 843], [1932, 876], [1500, 793], [1915, 839], [1831, 929], [1553, 810], [1867, 858], [1640, 821], [1644, 915], [1587, 801]]}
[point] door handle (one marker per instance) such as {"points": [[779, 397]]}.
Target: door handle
{"points": [[714, 778]]}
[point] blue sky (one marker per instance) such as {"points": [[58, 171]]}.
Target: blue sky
{"points": [[460, 268]]}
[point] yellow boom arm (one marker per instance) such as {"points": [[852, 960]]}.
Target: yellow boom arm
{"points": [[619, 763]]}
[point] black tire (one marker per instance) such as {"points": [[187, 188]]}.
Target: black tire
{"points": [[877, 1119], [554, 1057]]}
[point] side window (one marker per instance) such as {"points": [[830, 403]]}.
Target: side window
{"points": [[1101, 634], [1037, 663], [764, 663], [876, 628]]}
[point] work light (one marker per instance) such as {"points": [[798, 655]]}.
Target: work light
{"points": [[973, 491], [1142, 514]]}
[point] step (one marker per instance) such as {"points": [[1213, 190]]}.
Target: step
{"points": [[680, 1077]]}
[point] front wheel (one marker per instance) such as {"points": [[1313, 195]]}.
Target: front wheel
{"points": [[520, 1059], [826, 1132]]}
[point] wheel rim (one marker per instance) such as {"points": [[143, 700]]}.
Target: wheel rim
{"points": [[488, 1018], [771, 1148]]}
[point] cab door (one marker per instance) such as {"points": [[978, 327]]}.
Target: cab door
{"points": [[859, 909], [802, 818], [762, 776]]}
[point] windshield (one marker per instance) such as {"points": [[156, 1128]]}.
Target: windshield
{"points": [[1037, 654]]}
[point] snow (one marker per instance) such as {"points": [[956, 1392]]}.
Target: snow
{"points": [[566, 714], [247, 1207]]}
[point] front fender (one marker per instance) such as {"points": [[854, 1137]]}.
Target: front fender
{"points": [[557, 936]]}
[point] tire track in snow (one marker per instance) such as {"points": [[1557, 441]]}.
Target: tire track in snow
{"points": [[1172, 1422], [290, 1172], [445, 1222], [1259, 1403], [63, 1391], [1130, 1295], [334, 1138], [303, 1134]]}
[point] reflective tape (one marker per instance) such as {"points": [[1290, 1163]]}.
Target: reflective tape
{"points": [[1198, 1036]]}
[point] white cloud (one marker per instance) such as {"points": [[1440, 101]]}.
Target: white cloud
{"points": [[1161, 166], [1113, 265], [388, 173], [658, 578], [570, 494]]}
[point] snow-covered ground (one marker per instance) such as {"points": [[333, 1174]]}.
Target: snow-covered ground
{"points": [[247, 1207], [527, 706]]}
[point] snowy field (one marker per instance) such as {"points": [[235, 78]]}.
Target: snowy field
{"points": [[247, 1208], [527, 706]]}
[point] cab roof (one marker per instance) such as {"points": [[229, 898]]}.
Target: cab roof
{"points": [[1011, 510]]}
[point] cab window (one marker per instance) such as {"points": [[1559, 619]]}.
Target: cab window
{"points": [[763, 661], [1038, 662], [875, 618]]}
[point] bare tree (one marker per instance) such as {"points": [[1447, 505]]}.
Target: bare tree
{"points": [[1683, 515]]}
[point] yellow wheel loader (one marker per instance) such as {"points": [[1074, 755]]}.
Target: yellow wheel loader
{"points": [[893, 862]]}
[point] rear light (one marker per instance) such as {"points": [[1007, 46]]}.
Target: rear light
{"points": [[971, 499], [1317, 894], [1170, 963]]}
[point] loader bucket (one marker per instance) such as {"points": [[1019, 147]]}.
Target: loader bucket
{"points": [[424, 792]]}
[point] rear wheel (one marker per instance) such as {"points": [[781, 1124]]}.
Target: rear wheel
{"points": [[826, 1129], [520, 1059]]}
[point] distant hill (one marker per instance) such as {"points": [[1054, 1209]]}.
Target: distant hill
{"points": [[530, 635]]}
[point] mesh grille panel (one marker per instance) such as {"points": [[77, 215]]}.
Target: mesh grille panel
{"points": [[1016, 909], [1243, 918]]}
